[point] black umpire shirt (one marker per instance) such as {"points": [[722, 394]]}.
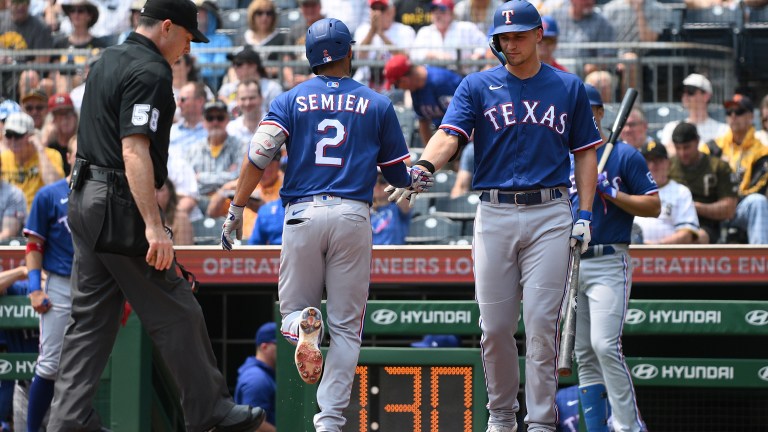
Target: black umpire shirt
{"points": [[129, 91]]}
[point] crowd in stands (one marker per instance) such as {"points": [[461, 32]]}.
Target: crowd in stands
{"points": [[714, 146]]}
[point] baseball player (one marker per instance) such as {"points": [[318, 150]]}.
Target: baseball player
{"points": [[527, 117], [626, 189], [49, 248], [336, 131], [431, 88]]}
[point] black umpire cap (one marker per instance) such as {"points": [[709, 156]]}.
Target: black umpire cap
{"points": [[180, 12]]}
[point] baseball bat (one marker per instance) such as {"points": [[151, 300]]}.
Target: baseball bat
{"points": [[568, 338], [618, 125]]}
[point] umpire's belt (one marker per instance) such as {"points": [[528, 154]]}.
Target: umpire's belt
{"points": [[521, 198], [100, 174], [598, 251]]}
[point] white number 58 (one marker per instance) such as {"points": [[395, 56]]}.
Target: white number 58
{"points": [[140, 116]]}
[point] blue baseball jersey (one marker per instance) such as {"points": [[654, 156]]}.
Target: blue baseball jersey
{"points": [[431, 101], [48, 220], [567, 400], [268, 228], [338, 132], [627, 170], [524, 129], [390, 225]]}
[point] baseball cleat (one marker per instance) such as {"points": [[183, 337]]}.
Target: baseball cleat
{"points": [[309, 359], [500, 428]]}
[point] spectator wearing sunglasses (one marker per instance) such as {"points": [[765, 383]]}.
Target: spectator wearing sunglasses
{"points": [[208, 21], [35, 103], [748, 159], [263, 31], [216, 159], [27, 163], [697, 91], [246, 64], [82, 15]]}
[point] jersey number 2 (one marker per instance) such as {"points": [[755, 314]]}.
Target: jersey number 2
{"points": [[335, 141]]}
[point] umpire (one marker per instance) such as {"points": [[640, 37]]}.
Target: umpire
{"points": [[122, 251]]}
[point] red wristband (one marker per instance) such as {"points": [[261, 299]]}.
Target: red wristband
{"points": [[35, 247]]}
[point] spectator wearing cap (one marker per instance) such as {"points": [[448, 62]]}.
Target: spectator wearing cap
{"points": [[635, 132], [748, 158], [380, 31], [35, 103], [216, 159], [311, 11], [263, 31], [249, 107], [709, 179], [246, 64], [697, 91], [438, 341], [26, 162], [678, 222], [208, 21], [431, 89], [19, 30], [82, 14], [189, 130], [60, 126], [441, 39], [546, 48], [579, 22], [134, 15], [351, 13], [479, 12], [256, 382], [7, 107]]}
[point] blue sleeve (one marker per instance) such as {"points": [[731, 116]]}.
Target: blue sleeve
{"points": [[584, 132], [255, 238], [640, 181], [396, 175], [38, 217], [460, 116], [393, 148], [253, 390]]}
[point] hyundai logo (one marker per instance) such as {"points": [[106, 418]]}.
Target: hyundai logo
{"points": [[757, 317], [635, 316], [763, 373], [645, 371], [384, 316], [5, 367]]}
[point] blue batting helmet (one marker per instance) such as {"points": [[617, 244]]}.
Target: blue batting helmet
{"points": [[327, 40], [515, 16]]}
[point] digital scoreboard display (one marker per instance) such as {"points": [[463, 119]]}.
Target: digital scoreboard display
{"points": [[402, 389]]}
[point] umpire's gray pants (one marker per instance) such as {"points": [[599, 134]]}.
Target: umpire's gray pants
{"points": [[166, 307]]}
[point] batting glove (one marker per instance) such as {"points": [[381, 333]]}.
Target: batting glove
{"points": [[421, 181], [233, 224], [604, 186], [582, 232]]}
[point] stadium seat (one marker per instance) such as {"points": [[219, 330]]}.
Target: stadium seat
{"points": [[286, 18], [407, 119], [462, 207], [659, 114], [757, 16], [444, 181], [715, 26], [422, 206], [207, 231], [432, 229], [235, 19]]}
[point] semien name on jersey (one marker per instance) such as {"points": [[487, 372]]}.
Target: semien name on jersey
{"points": [[333, 102]]}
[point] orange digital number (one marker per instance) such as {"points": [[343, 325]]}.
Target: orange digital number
{"points": [[414, 407], [362, 371], [434, 390]]}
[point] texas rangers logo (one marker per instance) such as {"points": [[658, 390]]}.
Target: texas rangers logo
{"points": [[508, 15], [326, 57]]}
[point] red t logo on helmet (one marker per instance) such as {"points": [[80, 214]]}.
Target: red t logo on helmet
{"points": [[508, 15]]}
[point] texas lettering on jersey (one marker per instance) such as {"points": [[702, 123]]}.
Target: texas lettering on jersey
{"points": [[503, 115]]}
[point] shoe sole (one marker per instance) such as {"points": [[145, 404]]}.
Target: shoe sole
{"points": [[246, 427], [309, 359]]}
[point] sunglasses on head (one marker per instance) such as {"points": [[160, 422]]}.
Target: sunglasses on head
{"points": [[690, 91], [34, 107], [13, 135], [738, 111], [264, 12], [215, 117]]}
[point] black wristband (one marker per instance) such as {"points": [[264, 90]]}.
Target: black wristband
{"points": [[426, 164]]}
